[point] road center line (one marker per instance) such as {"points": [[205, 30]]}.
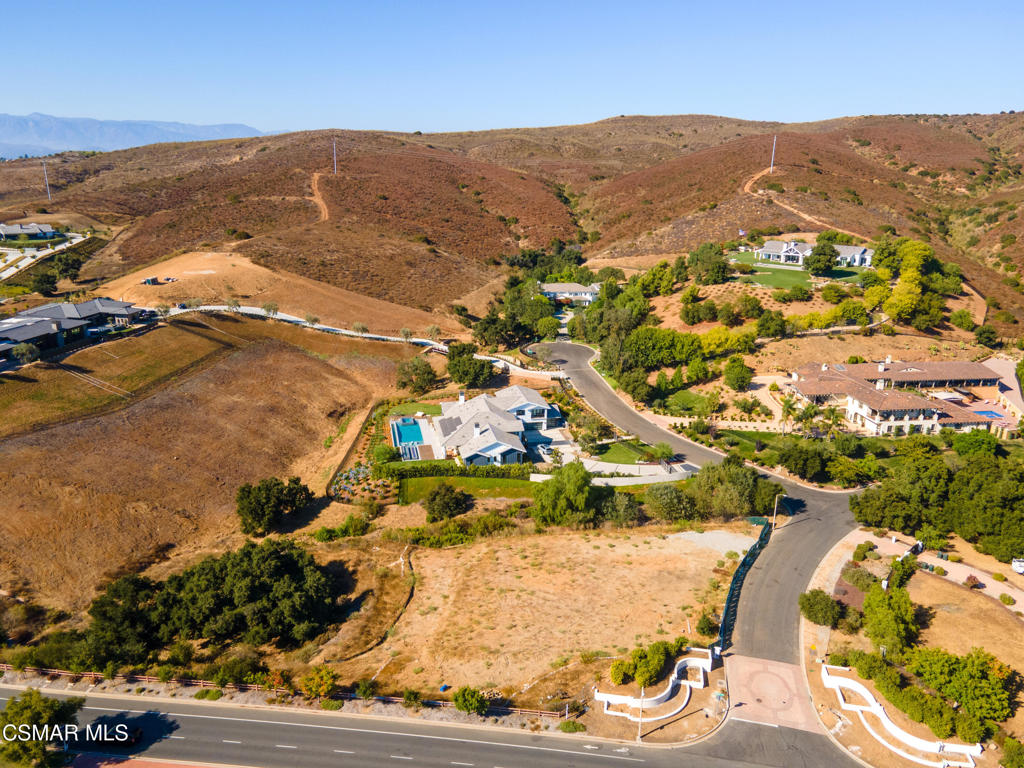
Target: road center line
{"points": [[400, 757], [285, 746], [344, 752], [230, 741], [376, 732]]}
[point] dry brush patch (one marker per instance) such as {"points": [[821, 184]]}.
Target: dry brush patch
{"points": [[104, 495], [507, 610]]}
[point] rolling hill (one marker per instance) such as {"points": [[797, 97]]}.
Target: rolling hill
{"points": [[422, 220]]}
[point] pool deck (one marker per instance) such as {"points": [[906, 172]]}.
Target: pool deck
{"points": [[430, 446]]}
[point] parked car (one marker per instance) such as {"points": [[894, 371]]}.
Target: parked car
{"points": [[544, 449], [1018, 565]]}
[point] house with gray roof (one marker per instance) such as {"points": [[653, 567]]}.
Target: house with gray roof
{"points": [[490, 429], [51, 326], [31, 231], [793, 253]]}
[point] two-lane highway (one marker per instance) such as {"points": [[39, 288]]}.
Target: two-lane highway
{"points": [[280, 738]]}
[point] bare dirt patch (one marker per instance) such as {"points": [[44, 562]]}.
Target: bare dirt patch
{"points": [[505, 611], [217, 276], [788, 354]]}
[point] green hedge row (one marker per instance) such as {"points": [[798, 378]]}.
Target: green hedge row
{"points": [[401, 470]]}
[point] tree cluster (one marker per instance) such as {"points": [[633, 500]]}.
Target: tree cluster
{"points": [[261, 507]]}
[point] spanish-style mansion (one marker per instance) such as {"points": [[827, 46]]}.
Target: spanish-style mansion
{"points": [[903, 398], [793, 253]]}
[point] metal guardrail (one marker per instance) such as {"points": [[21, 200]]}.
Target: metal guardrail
{"points": [[732, 600]]}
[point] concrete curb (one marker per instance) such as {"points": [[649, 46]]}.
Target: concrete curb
{"points": [[803, 657]]}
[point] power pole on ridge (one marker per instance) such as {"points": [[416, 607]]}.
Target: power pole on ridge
{"points": [[46, 181], [335, 142], [771, 170]]}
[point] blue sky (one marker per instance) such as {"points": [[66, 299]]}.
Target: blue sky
{"points": [[474, 65]]}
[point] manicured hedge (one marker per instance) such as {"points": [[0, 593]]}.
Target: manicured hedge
{"points": [[400, 470]]}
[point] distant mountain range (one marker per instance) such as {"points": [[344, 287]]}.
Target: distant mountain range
{"points": [[38, 134]]}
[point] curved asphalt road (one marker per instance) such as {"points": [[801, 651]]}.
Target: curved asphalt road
{"points": [[768, 619], [767, 626]]}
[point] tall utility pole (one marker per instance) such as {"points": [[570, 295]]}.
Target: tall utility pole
{"points": [[46, 181], [335, 157], [772, 169], [640, 720]]}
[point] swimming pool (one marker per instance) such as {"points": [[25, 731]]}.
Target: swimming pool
{"points": [[990, 414], [407, 432]]}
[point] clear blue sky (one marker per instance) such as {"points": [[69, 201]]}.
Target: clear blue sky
{"points": [[434, 66]]}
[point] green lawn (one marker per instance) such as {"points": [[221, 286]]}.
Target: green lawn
{"points": [[776, 277], [416, 489], [624, 452], [408, 409], [686, 401]]}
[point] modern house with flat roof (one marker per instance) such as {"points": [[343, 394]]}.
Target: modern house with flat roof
{"points": [[900, 398], [51, 326], [571, 292], [793, 253], [31, 231]]}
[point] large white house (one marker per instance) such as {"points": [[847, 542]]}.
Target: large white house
{"points": [[574, 292], [793, 253], [489, 429], [902, 398]]}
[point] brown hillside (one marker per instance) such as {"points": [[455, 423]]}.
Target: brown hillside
{"points": [[85, 500]]}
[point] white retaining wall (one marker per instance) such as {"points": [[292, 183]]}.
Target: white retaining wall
{"points": [[679, 678], [838, 684]]}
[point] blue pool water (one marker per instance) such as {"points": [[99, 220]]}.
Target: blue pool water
{"points": [[990, 414], [409, 432]]}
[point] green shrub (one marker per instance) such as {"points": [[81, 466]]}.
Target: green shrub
{"points": [[210, 694], [955, 559], [858, 578], [939, 571], [444, 501], [331, 704], [839, 658], [470, 700], [411, 699], [621, 671], [571, 726], [819, 607], [400, 470], [998, 577], [366, 688], [707, 626], [1005, 599]]}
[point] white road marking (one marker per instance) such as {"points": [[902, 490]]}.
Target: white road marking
{"points": [[400, 757], [285, 746], [344, 752], [755, 722], [230, 741], [455, 763], [177, 737], [374, 732]]}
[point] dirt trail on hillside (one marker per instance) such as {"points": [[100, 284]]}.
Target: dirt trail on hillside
{"points": [[748, 188], [319, 198]]}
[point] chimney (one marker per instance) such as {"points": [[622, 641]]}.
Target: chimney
{"points": [[881, 367], [462, 396], [824, 366], [476, 430], [880, 384], [888, 359]]}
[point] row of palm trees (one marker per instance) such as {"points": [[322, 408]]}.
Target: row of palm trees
{"points": [[828, 419]]}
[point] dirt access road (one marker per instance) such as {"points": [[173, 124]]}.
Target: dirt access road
{"points": [[318, 198], [748, 188]]}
